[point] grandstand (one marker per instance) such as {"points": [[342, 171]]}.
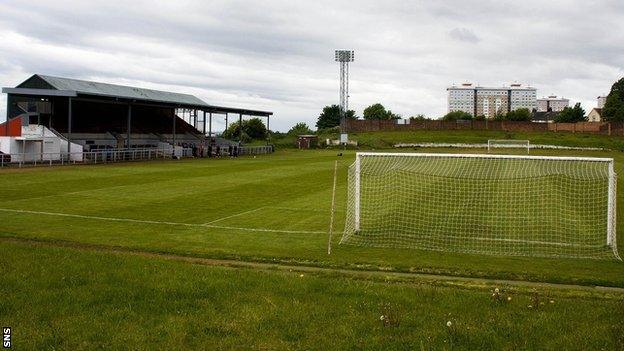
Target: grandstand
{"points": [[87, 116]]}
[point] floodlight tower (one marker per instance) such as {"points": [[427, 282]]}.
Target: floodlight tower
{"points": [[344, 57]]}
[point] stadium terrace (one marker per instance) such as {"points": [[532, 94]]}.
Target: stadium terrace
{"points": [[55, 119]]}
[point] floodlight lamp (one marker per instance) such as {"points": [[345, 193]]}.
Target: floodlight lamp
{"points": [[344, 55]]}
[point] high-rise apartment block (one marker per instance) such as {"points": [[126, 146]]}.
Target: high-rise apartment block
{"points": [[552, 103], [489, 102]]}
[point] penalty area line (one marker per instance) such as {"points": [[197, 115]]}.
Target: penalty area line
{"points": [[264, 229], [266, 208], [235, 215], [298, 209], [143, 221], [72, 193]]}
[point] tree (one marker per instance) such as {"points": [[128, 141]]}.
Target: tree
{"points": [[613, 110], [300, 129], [499, 115], [571, 115], [457, 115], [419, 117], [392, 115], [378, 111], [253, 129], [233, 132], [519, 115], [330, 117]]}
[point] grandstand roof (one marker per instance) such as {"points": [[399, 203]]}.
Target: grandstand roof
{"points": [[40, 84], [113, 90]]}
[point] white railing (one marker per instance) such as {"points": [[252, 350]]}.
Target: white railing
{"points": [[256, 150], [89, 157], [113, 155]]}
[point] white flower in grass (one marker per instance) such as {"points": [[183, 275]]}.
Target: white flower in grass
{"points": [[449, 324], [496, 290], [508, 298], [382, 317]]}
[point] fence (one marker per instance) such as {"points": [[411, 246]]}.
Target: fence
{"points": [[603, 128], [89, 157], [256, 150], [112, 155]]}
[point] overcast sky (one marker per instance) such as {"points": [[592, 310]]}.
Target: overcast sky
{"points": [[279, 55]]}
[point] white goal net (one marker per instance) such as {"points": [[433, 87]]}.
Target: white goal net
{"points": [[509, 144], [486, 204]]}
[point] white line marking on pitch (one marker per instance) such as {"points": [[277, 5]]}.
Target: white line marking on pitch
{"points": [[521, 241], [72, 193], [264, 230], [129, 220], [439, 236], [235, 215], [301, 209], [535, 242]]}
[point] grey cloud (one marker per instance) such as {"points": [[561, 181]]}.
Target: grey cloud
{"points": [[463, 34], [278, 54]]}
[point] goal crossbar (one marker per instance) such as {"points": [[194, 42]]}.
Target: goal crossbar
{"points": [[416, 154], [353, 225]]}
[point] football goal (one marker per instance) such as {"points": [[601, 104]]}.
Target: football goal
{"points": [[484, 204], [509, 144]]}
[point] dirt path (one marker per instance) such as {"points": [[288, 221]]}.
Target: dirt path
{"points": [[396, 277]]}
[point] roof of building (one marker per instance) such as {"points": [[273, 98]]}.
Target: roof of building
{"points": [[598, 110], [114, 90], [477, 87], [553, 98], [57, 86]]}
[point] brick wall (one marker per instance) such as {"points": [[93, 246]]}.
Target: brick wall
{"points": [[604, 128]]}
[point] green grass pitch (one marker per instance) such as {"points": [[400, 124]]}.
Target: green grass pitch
{"points": [[271, 209]]}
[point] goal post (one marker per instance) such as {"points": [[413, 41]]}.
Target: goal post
{"points": [[357, 193], [507, 205], [611, 215], [509, 144]]}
